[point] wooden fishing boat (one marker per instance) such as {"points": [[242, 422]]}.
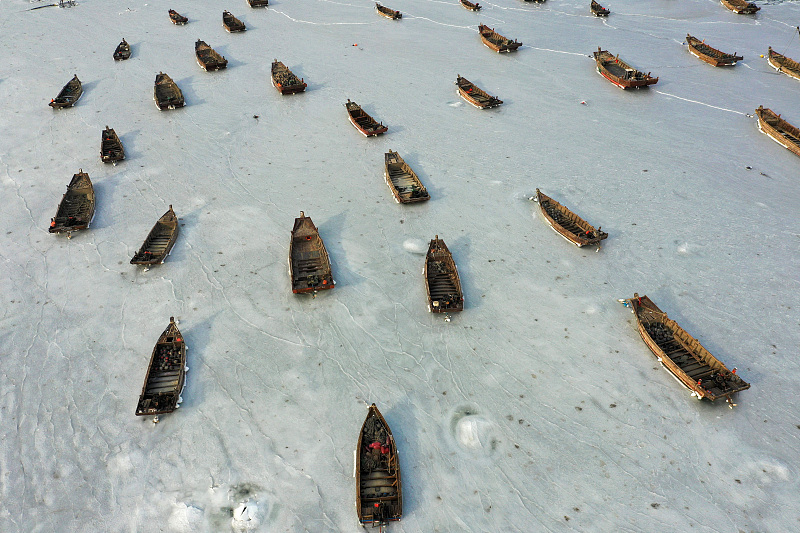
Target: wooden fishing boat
{"points": [[231, 23], [177, 18], [682, 355], [76, 210], [379, 494], [309, 264], [284, 79], [781, 63], [740, 6], [598, 10], [258, 3], [778, 129], [388, 13], [368, 126], [475, 95], [568, 224], [123, 51], [710, 55], [441, 279], [70, 93], [166, 374], [466, 4], [208, 58], [111, 149], [166, 93], [159, 242], [620, 73], [403, 181], [497, 42]]}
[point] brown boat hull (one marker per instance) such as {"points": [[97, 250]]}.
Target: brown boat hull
{"points": [[778, 129], [710, 55], [379, 490], [166, 374]]}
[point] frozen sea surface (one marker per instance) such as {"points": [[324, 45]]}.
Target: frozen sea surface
{"points": [[538, 408]]}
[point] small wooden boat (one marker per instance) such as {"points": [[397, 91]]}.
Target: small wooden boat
{"points": [[388, 13], [231, 23], [76, 210], [598, 10], [710, 55], [258, 3], [379, 494], [740, 6], [781, 63], [158, 244], [620, 73], [123, 51], [364, 123], [177, 18], [441, 279], [683, 355], [208, 58], [568, 224], [166, 93], [111, 149], [309, 264], [466, 4], [284, 79], [778, 129], [166, 374], [497, 42], [403, 181], [474, 95], [70, 93]]}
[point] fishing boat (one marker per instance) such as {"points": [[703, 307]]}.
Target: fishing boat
{"points": [[682, 355], [70, 93], [475, 95], [284, 79], [258, 3], [309, 264], [159, 242], [441, 279], [231, 23], [466, 4], [368, 126], [111, 149], [123, 51], [598, 10], [778, 129], [166, 375], [781, 63], [710, 55], [76, 210], [388, 13], [208, 58], [177, 18], [497, 42], [740, 6], [166, 93], [379, 494], [620, 73], [568, 224], [403, 181]]}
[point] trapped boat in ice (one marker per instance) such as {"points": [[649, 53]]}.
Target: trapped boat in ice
{"points": [[364, 123], [403, 181], [231, 23], [388, 13], [258, 3], [466, 4], [475, 95], [682, 354], [740, 6], [619, 72], [778, 129], [159, 242], [309, 264], [379, 494], [76, 210], [177, 18], [166, 374], [208, 58], [70, 93], [441, 279], [598, 10], [284, 79], [111, 149], [781, 63], [497, 42], [568, 224], [123, 51], [166, 93], [710, 55]]}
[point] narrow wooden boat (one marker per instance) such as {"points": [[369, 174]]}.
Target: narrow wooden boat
{"points": [[177, 18], [598, 10], [568, 224], [497, 42], [166, 93], [682, 355], [258, 3], [284, 79], [475, 95], [208, 58], [441, 279], [620, 73], [76, 210], [123, 51], [710, 55], [364, 123], [781, 63], [159, 242], [111, 149], [309, 264], [70, 93], [379, 494], [778, 129], [403, 181], [466, 4], [388, 13], [166, 374], [231, 23], [740, 6]]}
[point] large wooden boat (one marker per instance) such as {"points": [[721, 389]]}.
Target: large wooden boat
{"points": [[740, 6], [388, 13], [598, 10], [258, 3], [208, 58], [379, 491], [475, 95], [177, 18], [284, 79], [403, 181], [466, 4], [123, 51], [166, 374], [158, 244], [231, 23], [70, 93], [497, 42], [682, 355], [568, 224], [781, 63], [778, 129], [620, 73], [309, 264], [166, 93], [368, 126], [111, 149], [76, 210], [441, 279], [710, 55]]}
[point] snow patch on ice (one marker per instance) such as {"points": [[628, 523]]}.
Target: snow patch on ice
{"points": [[246, 516], [473, 432], [185, 518], [415, 246]]}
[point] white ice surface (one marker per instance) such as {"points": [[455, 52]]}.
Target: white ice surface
{"points": [[538, 408]]}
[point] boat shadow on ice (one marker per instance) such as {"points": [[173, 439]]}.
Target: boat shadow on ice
{"points": [[460, 248], [128, 140], [232, 62], [190, 96], [436, 193], [197, 338], [331, 233], [400, 418]]}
